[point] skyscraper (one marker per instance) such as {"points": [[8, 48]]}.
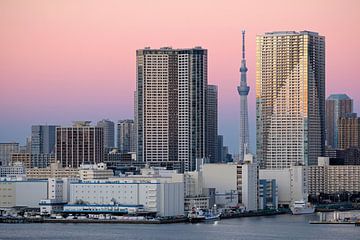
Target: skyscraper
{"points": [[171, 106], [290, 98], [243, 90], [337, 105], [109, 132], [6, 149], [212, 123], [43, 139], [348, 131], [79, 144], [126, 136]]}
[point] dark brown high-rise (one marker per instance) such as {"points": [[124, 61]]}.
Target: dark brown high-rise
{"points": [[79, 144], [349, 131]]}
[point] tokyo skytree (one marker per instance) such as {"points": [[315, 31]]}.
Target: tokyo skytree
{"points": [[243, 90]]}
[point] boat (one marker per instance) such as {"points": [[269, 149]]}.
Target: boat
{"points": [[212, 217], [301, 207], [196, 216]]}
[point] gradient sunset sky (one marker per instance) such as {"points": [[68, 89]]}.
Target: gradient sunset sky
{"points": [[75, 59]]}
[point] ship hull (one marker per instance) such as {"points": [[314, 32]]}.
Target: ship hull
{"points": [[300, 211]]}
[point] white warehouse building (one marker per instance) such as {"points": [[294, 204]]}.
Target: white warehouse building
{"points": [[166, 199], [22, 193]]}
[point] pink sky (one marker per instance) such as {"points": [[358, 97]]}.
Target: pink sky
{"points": [[67, 60]]}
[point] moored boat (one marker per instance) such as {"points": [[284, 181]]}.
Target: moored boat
{"points": [[301, 207], [196, 216]]}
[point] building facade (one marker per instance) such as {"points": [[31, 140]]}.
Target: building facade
{"points": [[171, 106], [333, 179], [290, 98], [126, 136], [226, 179], [348, 131], [6, 150], [292, 183], [80, 144], [250, 183], [268, 194], [22, 193], [43, 139], [15, 170], [166, 199], [97, 171], [337, 105], [212, 123], [55, 170], [29, 160], [109, 133]]}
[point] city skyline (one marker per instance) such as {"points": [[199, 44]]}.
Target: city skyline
{"points": [[46, 60]]}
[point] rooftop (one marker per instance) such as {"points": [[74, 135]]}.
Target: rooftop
{"points": [[338, 97], [282, 33]]}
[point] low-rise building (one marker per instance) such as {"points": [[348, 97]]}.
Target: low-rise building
{"points": [[200, 202], [268, 194], [57, 196], [55, 170], [196, 196], [114, 209], [47, 195], [16, 169], [164, 198], [96, 171], [154, 173], [235, 184], [250, 179], [227, 181], [292, 183], [331, 179], [119, 159], [27, 193], [33, 160]]}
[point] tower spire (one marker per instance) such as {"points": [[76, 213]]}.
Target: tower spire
{"points": [[243, 44], [243, 90]]}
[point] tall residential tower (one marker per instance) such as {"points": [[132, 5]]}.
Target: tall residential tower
{"points": [[243, 90], [171, 106], [290, 98]]}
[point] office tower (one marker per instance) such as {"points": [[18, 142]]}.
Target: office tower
{"points": [[109, 133], [126, 136], [79, 144], [243, 90], [290, 98], [27, 147], [6, 149], [212, 123], [348, 131], [171, 106], [43, 139], [337, 105]]}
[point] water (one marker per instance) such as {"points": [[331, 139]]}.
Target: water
{"points": [[271, 227]]}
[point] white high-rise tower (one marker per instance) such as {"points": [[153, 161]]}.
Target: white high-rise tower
{"points": [[290, 98], [243, 90]]}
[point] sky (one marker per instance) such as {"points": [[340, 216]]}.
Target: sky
{"points": [[75, 59]]}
